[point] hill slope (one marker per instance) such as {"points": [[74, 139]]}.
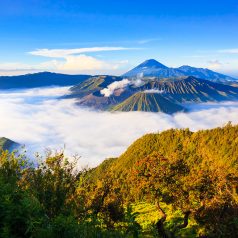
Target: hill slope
{"points": [[148, 102], [218, 144], [207, 147], [92, 85]]}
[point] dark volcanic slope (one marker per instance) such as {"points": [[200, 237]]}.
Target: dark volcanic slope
{"points": [[88, 93], [43, 79], [192, 89], [148, 102]]}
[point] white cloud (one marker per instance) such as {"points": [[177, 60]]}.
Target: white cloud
{"points": [[229, 51], [75, 64], [13, 65], [214, 64], [68, 61], [75, 61], [88, 64], [18, 66], [224, 66], [83, 63], [62, 53], [43, 93], [35, 118], [149, 40]]}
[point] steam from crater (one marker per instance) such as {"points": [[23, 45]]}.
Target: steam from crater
{"points": [[154, 90], [107, 92]]}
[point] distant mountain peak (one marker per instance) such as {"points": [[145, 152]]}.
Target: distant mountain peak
{"points": [[185, 66], [152, 63], [147, 68]]}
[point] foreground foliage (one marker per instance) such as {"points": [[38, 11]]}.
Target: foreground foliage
{"points": [[173, 184]]}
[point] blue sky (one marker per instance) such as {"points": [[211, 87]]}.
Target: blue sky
{"points": [[112, 36]]}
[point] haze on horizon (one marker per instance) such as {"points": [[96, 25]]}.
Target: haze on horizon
{"points": [[105, 37]]}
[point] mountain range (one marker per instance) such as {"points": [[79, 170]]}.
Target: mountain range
{"points": [[150, 87], [149, 68], [149, 94], [153, 68]]}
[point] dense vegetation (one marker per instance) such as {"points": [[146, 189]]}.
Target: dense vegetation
{"points": [[172, 184]]}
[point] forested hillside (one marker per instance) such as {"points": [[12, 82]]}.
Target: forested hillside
{"points": [[6, 144], [176, 183]]}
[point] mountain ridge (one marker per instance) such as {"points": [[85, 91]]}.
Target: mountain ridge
{"points": [[148, 102], [192, 89], [132, 97], [41, 79]]}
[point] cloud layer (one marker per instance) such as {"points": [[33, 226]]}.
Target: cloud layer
{"points": [[35, 118], [76, 61]]}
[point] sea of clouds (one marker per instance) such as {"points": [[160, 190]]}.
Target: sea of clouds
{"points": [[37, 119]]}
